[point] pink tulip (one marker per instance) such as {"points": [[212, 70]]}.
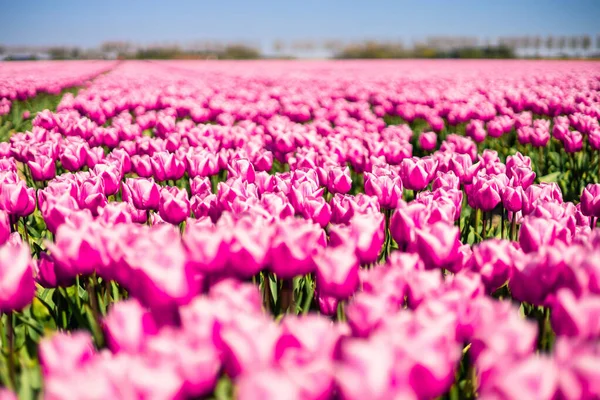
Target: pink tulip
{"points": [[485, 193], [416, 173], [63, 353], [42, 168], [576, 317], [6, 394], [174, 206], [16, 277], [5, 228], [512, 198], [242, 169], [328, 305], [73, 157], [144, 193], [110, 175], [91, 195], [48, 275], [573, 142], [438, 244], [17, 199], [166, 166], [339, 180], [200, 185], [428, 141], [294, 244], [493, 260], [207, 248], [590, 200], [536, 232], [142, 165], [337, 272], [128, 327], [248, 248], [387, 189]]}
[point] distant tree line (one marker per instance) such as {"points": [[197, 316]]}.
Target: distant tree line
{"points": [[232, 52], [530, 46], [372, 50]]}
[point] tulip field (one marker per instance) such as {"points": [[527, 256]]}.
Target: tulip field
{"points": [[299, 230]]}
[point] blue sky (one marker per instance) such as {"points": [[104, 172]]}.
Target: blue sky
{"points": [[88, 23]]}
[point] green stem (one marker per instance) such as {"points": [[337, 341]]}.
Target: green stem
{"points": [[93, 298], [483, 226], [77, 298], [341, 313], [477, 219], [309, 296], [502, 224], [11, 349], [513, 227], [267, 292]]}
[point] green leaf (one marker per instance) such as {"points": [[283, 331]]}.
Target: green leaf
{"points": [[553, 177], [224, 389], [39, 310], [274, 288]]}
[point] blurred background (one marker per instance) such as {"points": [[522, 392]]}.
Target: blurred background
{"points": [[306, 29]]}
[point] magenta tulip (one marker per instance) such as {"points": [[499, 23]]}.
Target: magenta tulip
{"points": [[16, 277], [174, 206]]}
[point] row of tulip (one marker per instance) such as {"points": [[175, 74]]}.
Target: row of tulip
{"points": [[20, 81], [306, 231]]}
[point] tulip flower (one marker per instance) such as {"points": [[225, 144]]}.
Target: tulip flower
{"points": [[128, 326], [142, 165], [174, 205], [17, 199], [144, 193], [16, 277], [200, 185], [388, 190], [437, 244], [48, 275], [417, 173], [110, 176], [573, 142], [73, 157], [166, 166], [42, 168], [512, 198], [339, 180], [337, 272], [590, 200], [63, 353], [5, 228], [294, 244], [428, 141], [493, 260], [91, 196], [6, 394]]}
